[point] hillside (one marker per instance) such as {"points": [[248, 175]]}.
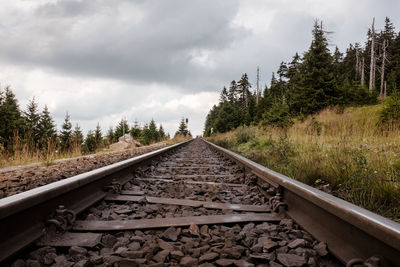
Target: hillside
{"points": [[345, 152]]}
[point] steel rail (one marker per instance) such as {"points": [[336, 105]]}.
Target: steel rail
{"points": [[23, 216], [350, 231]]}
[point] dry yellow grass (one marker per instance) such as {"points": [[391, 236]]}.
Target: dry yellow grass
{"points": [[347, 152]]}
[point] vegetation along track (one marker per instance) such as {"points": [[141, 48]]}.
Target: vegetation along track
{"points": [[187, 205]]}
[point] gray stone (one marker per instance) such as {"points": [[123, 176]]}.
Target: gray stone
{"points": [[108, 240], [269, 245], [134, 246], [320, 248], [177, 254], [161, 256], [121, 250], [297, 243], [81, 263], [243, 263], [274, 264], [75, 250], [96, 259], [188, 261], [263, 256], [165, 245], [224, 262], [209, 256], [170, 234], [49, 258], [132, 254], [206, 264], [291, 259]]}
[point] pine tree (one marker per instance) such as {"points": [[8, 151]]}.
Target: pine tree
{"points": [[182, 130], [47, 128], [154, 137], [90, 142], [77, 136], [110, 135], [32, 117], [316, 88], [12, 123], [66, 134], [161, 132], [121, 129], [98, 136], [232, 94], [136, 131], [145, 137], [223, 96], [243, 88]]}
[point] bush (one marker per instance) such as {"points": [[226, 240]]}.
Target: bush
{"points": [[391, 109], [244, 134]]}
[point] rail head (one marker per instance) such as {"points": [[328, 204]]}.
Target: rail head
{"points": [[380, 228]]}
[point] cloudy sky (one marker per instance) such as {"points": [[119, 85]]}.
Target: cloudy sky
{"points": [[104, 60]]}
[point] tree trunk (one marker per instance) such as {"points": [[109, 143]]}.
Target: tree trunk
{"points": [[258, 85], [373, 60], [357, 61], [384, 91], [383, 69], [363, 72]]}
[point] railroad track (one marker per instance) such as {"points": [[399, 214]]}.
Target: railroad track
{"points": [[190, 204]]}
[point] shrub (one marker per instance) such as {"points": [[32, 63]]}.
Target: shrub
{"points": [[391, 109], [244, 134]]}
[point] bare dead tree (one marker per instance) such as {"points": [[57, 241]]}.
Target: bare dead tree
{"points": [[258, 84], [373, 59], [384, 91], [362, 71], [357, 60], [382, 95]]}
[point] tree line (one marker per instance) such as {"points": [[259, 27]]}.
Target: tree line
{"points": [[36, 130], [311, 82]]}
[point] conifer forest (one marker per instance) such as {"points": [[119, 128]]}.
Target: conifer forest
{"points": [[328, 118], [364, 74]]}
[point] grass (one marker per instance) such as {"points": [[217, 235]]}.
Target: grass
{"points": [[24, 154], [345, 152]]}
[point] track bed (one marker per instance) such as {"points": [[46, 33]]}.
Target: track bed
{"points": [[192, 207]]}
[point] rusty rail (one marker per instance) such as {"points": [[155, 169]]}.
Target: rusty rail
{"points": [[351, 232], [23, 216]]}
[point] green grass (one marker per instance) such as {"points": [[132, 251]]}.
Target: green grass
{"points": [[348, 153]]}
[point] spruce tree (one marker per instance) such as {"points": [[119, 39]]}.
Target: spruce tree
{"points": [[77, 136], [66, 134], [145, 137], [243, 89], [316, 88], [136, 131], [90, 142], [12, 123], [110, 135], [121, 129], [182, 130], [47, 128], [154, 137], [32, 117], [223, 96], [98, 136], [161, 132], [232, 93]]}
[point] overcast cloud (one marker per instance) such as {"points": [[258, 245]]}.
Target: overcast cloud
{"points": [[103, 60]]}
